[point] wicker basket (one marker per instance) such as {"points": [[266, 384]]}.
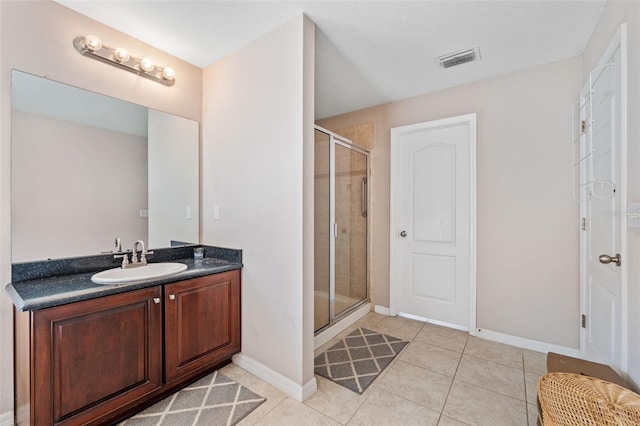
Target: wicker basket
{"points": [[568, 399]]}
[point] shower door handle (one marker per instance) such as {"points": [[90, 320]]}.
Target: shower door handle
{"points": [[363, 197]]}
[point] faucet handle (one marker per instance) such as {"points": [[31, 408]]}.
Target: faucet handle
{"points": [[125, 259], [143, 257]]}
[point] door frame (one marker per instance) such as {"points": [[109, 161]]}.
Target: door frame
{"points": [[394, 287], [619, 40]]}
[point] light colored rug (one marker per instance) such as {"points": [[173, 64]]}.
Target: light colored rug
{"points": [[356, 361], [214, 400]]}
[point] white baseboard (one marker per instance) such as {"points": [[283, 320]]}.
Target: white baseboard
{"points": [[331, 332], [276, 379], [521, 342], [6, 419], [382, 310], [434, 322]]}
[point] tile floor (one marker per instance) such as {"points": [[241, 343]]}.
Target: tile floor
{"points": [[443, 377]]}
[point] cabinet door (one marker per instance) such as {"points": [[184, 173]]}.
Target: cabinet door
{"points": [[202, 323], [96, 357]]}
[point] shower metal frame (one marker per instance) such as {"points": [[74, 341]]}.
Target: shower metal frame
{"points": [[335, 139]]}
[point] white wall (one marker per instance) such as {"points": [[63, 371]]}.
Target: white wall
{"points": [[36, 37], [257, 118], [60, 163], [174, 212], [528, 272], [615, 13]]}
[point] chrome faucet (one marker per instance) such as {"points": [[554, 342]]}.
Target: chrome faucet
{"points": [[143, 254], [134, 256]]}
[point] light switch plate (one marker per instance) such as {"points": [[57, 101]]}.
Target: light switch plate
{"points": [[633, 215]]}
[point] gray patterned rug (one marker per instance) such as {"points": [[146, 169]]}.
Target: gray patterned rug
{"points": [[356, 361], [213, 400]]}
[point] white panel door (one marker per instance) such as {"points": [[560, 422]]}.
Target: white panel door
{"points": [[434, 216], [603, 219]]}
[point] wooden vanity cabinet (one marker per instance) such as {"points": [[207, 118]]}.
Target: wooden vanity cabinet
{"points": [[90, 360], [97, 361], [202, 323]]}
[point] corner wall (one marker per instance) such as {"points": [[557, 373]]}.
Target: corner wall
{"points": [[36, 37], [257, 147], [528, 257]]}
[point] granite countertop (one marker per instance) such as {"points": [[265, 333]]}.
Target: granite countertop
{"points": [[39, 285]]}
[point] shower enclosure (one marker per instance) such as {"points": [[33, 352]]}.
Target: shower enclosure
{"points": [[341, 224]]}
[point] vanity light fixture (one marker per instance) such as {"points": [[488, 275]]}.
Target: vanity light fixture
{"points": [[92, 47]]}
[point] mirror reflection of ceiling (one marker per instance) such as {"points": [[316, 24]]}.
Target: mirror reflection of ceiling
{"points": [[367, 52], [52, 99]]}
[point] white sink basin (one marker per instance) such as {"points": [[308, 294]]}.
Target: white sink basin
{"points": [[139, 273]]}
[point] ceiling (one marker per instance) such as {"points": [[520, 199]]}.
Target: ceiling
{"points": [[367, 52]]}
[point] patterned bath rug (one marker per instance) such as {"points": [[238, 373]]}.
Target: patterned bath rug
{"points": [[214, 400], [355, 361]]}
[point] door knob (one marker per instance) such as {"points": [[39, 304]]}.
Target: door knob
{"points": [[403, 234], [156, 300], [172, 297], [605, 258]]}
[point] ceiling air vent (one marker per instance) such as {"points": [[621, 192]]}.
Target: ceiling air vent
{"points": [[458, 58]]}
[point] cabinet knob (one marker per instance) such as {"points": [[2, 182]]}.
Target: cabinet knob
{"points": [[172, 297], [156, 300]]}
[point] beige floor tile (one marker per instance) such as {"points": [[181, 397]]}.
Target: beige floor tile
{"points": [[402, 328], [448, 421], [265, 390], [385, 409], [417, 384], [434, 358], [531, 382], [370, 320], [334, 400], [535, 362], [494, 351], [444, 337], [293, 413], [232, 371], [492, 376], [476, 406], [533, 414]]}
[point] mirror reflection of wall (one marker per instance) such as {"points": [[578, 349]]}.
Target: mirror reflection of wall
{"points": [[87, 168]]}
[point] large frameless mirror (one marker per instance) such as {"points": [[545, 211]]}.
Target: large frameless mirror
{"points": [[87, 168]]}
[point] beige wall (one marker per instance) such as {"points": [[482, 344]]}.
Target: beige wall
{"points": [[614, 14], [36, 37], [257, 164], [528, 277]]}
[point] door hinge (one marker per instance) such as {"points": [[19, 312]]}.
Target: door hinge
{"points": [[583, 321], [584, 223], [583, 126]]}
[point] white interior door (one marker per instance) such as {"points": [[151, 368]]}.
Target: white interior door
{"points": [[602, 207], [433, 236]]}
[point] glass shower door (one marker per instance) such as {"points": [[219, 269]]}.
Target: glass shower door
{"points": [[322, 235], [351, 226], [341, 188]]}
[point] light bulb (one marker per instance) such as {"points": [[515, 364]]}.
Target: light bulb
{"points": [[147, 65], [121, 55], [169, 74], [92, 43]]}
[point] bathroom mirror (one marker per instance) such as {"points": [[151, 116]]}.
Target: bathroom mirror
{"points": [[87, 168]]}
